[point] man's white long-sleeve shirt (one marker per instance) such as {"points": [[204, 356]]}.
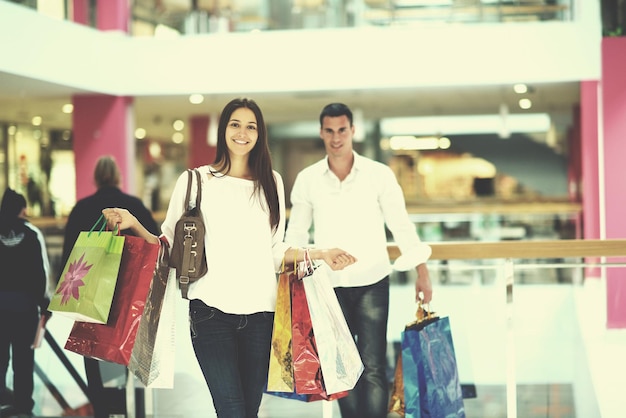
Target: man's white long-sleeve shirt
{"points": [[351, 214]]}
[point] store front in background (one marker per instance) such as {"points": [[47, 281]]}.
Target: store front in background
{"points": [[27, 159]]}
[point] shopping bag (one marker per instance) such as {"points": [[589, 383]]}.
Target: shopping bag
{"points": [[396, 403], [429, 370], [280, 374], [281, 367], [339, 357], [152, 357], [162, 366], [85, 290], [114, 340], [307, 369]]}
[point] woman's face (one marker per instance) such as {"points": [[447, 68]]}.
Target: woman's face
{"points": [[241, 132]]}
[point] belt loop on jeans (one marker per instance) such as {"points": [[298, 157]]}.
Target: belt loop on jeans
{"points": [[243, 321]]}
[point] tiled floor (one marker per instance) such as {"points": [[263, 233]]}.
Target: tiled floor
{"points": [[534, 401], [555, 391], [192, 400], [540, 401]]}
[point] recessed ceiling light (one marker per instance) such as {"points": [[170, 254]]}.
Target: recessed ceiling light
{"points": [[525, 103], [520, 88], [178, 125], [178, 138], [196, 99], [140, 133], [68, 108]]}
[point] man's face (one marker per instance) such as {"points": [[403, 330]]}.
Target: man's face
{"points": [[337, 134]]}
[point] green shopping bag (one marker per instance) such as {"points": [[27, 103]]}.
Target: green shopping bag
{"points": [[85, 290]]}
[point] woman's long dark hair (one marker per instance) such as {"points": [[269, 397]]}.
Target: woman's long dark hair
{"points": [[259, 161]]}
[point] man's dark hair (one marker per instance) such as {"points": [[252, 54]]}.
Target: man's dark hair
{"points": [[335, 109]]}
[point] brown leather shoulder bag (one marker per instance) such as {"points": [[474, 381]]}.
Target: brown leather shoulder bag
{"points": [[188, 253]]}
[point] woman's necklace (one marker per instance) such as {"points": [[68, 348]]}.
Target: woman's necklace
{"points": [[216, 173]]}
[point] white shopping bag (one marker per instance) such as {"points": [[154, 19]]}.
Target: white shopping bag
{"points": [[339, 357]]}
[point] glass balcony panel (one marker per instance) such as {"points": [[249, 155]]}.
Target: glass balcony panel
{"points": [[189, 18]]}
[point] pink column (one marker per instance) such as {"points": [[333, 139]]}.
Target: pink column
{"points": [[101, 126], [614, 128], [200, 152], [80, 12], [113, 15]]}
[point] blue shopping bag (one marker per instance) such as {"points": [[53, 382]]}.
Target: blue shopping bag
{"points": [[430, 375]]}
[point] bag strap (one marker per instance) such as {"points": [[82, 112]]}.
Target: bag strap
{"points": [[183, 280], [188, 195], [199, 192]]}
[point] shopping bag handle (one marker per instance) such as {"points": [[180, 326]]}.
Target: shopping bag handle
{"points": [[309, 267], [423, 311], [308, 264], [295, 262], [103, 227], [423, 315]]}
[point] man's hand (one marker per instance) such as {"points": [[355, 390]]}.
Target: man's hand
{"points": [[423, 286], [337, 259]]}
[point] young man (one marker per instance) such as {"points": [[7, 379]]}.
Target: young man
{"points": [[349, 199]]}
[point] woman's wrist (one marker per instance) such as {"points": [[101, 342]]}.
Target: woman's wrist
{"points": [[317, 254]]}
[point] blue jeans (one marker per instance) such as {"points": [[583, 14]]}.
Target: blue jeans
{"points": [[233, 352], [366, 309]]}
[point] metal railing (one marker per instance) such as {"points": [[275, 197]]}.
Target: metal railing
{"points": [[513, 254]]}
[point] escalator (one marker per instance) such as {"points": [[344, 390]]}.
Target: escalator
{"points": [[61, 389]]}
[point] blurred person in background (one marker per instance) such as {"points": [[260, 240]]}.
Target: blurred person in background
{"points": [[23, 298], [84, 215]]}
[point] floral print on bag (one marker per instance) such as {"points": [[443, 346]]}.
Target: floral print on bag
{"points": [[73, 279]]}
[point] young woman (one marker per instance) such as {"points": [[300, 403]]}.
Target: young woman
{"points": [[231, 308]]}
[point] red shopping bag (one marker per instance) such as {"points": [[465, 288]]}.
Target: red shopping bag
{"points": [[114, 340], [307, 370]]}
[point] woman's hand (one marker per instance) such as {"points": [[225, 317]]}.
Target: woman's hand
{"points": [[121, 218], [336, 258]]}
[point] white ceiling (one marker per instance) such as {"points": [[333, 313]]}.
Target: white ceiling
{"points": [[454, 52], [21, 98]]}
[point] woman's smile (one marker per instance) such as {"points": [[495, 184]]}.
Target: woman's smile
{"points": [[242, 131]]}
